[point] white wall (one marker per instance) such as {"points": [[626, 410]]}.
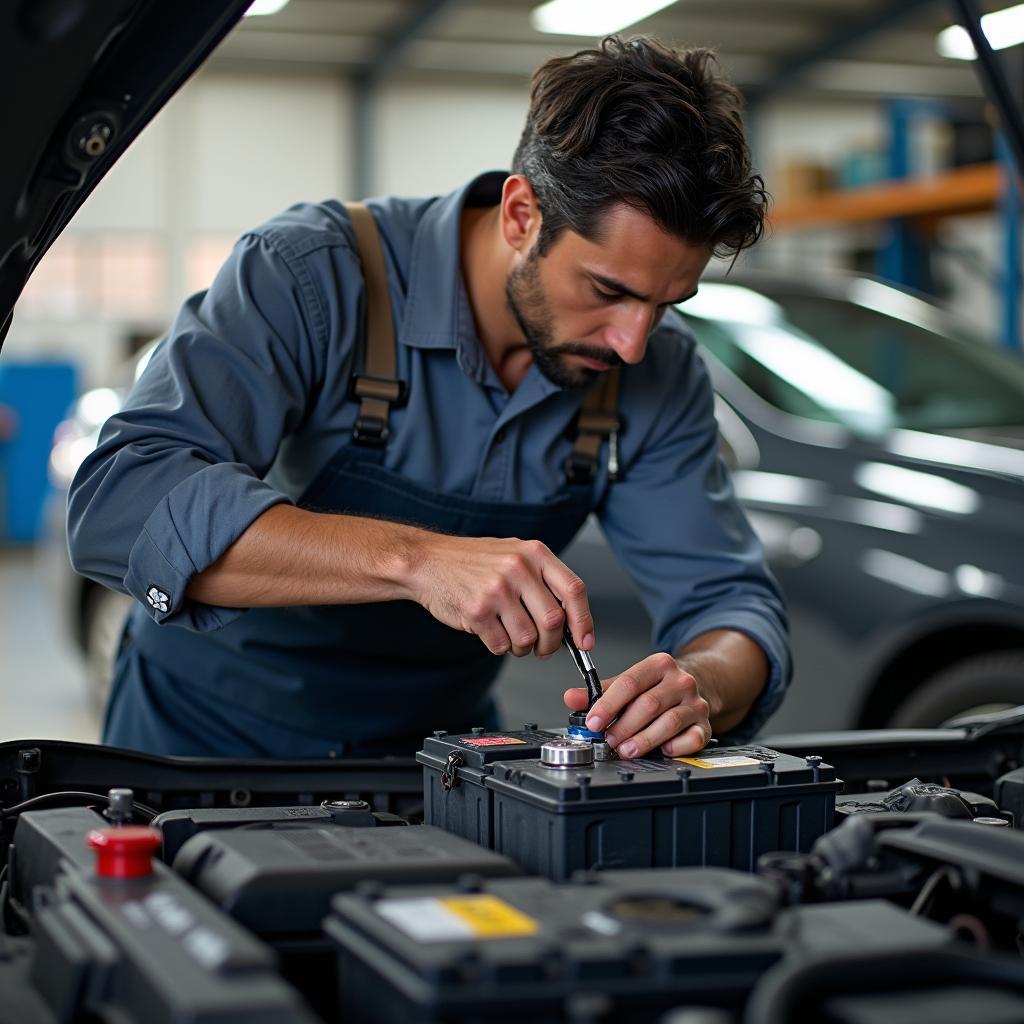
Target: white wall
{"points": [[432, 137], [231, 150]]}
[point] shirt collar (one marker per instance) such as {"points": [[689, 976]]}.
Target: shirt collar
{"points": [[437, 310]]}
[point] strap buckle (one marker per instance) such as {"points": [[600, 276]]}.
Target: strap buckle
{"points": [[580, 468], [370, 431], [593, 429], [384, 389]]}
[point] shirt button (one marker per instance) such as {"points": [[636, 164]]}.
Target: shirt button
{"points": [[500, 436]]}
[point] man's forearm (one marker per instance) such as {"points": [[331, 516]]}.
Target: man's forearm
{"points": [[515, 595], [290, 556], [731, 671]]}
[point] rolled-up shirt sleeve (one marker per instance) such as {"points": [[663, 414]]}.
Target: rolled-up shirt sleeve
{"points": [[178, 473], [674, 523]]}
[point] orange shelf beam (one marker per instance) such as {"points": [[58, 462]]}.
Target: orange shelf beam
{"points": [[965, 190]]}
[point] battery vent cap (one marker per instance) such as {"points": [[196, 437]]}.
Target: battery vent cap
{"points": [[124, 852]]}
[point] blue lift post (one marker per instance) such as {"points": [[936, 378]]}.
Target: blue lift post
{"points": [[1010, 210], [904, 258]]}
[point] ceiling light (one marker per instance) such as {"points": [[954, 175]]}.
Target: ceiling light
{"points": [[1002, 29], [592, 17], [264, 7]]}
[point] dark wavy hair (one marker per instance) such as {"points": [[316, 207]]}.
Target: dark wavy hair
{"points": [[638, 122]]}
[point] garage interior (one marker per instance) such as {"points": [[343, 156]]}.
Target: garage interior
{"points": [[867, 358], [879, 152]]}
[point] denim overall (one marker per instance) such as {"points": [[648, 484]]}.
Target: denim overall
{"points": [[332, 680]]}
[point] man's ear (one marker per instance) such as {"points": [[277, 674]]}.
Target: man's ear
{"points": [[520, 213]]}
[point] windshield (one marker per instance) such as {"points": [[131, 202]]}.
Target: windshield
{"points": [[839, 361]]}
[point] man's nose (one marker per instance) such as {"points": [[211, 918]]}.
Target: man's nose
{"points": [[627, 334]]}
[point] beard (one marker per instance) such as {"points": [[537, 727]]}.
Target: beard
{"points": [[532, 312]]}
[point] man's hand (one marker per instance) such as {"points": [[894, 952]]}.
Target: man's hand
{"points": [[509, 592], [659, 704], [673, 702]]}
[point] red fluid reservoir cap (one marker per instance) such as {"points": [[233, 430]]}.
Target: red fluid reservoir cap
{"points": [[124, 852]]}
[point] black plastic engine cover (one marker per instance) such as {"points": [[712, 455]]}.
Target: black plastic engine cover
{"points": [[178, 827], [917, 797]]}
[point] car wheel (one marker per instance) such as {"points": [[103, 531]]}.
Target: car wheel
{"points": [[103, 619], [982, 683]]}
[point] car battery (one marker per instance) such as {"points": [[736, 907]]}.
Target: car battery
{"points": [[277, 879], [277, 876], [638, 942], [558, 810], [120, 937], [454, 769]]}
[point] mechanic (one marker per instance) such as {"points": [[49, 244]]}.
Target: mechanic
{"points": [[327, 557]]}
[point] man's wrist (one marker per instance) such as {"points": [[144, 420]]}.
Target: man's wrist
{"points": [[731, 671], [410, 560], [704, 677]]}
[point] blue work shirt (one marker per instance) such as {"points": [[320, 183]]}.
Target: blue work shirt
{"points": [[247, 398]]}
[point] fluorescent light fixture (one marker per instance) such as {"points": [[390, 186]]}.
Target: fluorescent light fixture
{"points": [[264, 7], [1002, 29], [592, 17]]}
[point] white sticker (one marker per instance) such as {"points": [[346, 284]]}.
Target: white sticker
{"points": [[426, 919], [452, 918], [728, 761]]}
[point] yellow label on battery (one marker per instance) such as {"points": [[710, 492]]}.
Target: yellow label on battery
{"points": [[731, 761], [490, 917]]}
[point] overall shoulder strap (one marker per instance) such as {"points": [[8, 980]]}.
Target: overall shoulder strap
{"points": [[376, 387], [599, 419]]}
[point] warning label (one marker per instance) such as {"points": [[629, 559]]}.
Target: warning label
{"points": [[491, 741], [725, 761], [427, 919]]}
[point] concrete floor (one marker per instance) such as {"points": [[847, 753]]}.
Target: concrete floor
{"points": [[42, 685]]}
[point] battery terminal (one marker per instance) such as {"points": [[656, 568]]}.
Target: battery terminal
{"points": [[449, 777]]}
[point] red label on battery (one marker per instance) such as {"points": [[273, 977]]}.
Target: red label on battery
{"points": [[492, 741]]}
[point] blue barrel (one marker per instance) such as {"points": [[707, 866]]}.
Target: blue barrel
{"points": [[35, 397]]}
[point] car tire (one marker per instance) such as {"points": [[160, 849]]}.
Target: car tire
{"points": [[982, 682], [103, 617]]}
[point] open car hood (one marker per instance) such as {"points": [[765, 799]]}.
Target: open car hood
{"points": [[81, 79]]}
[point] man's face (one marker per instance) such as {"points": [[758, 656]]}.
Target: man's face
{"points": [[588, 305]]}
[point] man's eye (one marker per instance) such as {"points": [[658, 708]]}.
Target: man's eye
{"points": [[606, 296]]}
